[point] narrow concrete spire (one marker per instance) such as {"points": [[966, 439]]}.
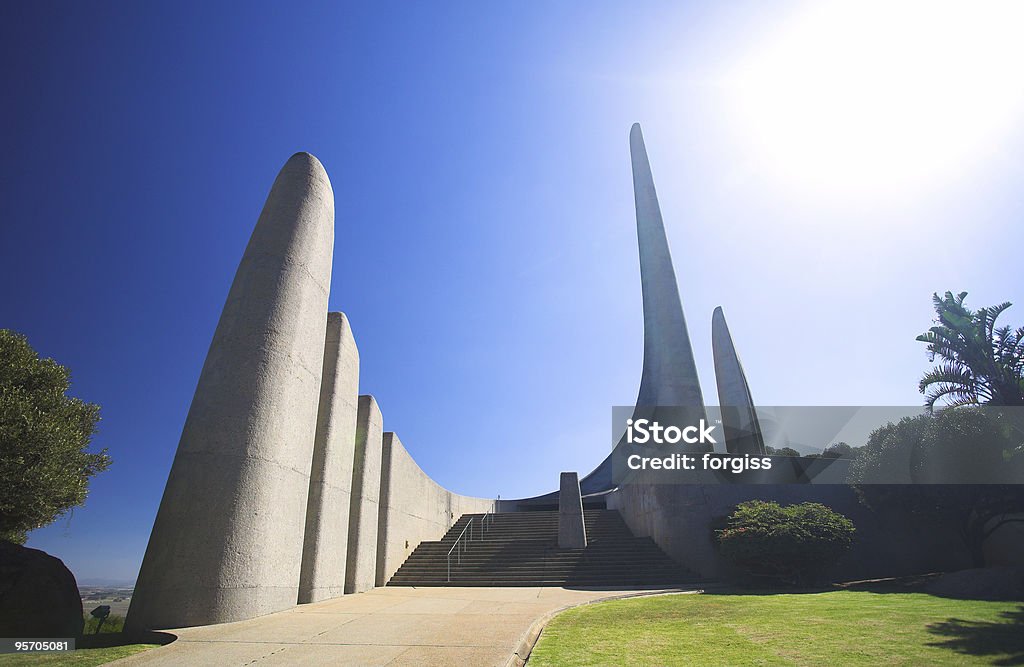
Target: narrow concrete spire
{"points": [[669, 373], [227, 541], [739, 419]]}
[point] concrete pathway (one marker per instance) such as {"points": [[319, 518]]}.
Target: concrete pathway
{"points": [[385, 626]]}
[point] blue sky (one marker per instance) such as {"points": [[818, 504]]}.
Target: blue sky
{"points": [[819, 179]]}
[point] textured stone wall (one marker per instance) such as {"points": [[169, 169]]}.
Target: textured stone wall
{"points": [[363, 514], [227, 541], [414, 508], [325, 548], [572, 530]]}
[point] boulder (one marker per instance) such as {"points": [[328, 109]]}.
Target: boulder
{"points": [[38, 595]]}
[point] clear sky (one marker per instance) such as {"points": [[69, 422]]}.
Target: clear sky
{"points": [[822, 170]]}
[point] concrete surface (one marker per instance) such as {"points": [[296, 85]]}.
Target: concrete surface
{"points": [[361, 566], [669, 372], [739, 419], [385, 626], [227, 541], [325, 547], [413, 508], [572, 531]]}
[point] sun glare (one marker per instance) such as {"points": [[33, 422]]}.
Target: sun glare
{"points": [[873, 97]]}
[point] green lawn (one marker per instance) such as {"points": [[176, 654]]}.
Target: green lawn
{"points": [[79, 658], [836, 628]]}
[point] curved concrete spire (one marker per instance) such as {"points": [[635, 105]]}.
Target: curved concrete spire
{"points": [[669, 372], [227, 541], [739, 419], [669, 376]]}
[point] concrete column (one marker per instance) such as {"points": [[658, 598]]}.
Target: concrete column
{"points": [[361, 569], [572, 532], [227, 541], [325, 548], [387, 473]]}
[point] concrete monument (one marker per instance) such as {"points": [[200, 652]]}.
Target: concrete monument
{"points": [[361, 571], [330, 484], [227, 541], [739, 418], [572, 531], [669, 374]]}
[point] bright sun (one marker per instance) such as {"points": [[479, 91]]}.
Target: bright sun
{"points": [[861, 97]]}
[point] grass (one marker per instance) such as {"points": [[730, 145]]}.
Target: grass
{"points": [[94, 649], [832, 628], [83, 657]]}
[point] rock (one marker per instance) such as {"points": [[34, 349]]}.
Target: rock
{"points": [[989, 583], [38, 595]]}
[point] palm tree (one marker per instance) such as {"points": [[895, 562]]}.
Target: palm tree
{"points": [[980, 363]]}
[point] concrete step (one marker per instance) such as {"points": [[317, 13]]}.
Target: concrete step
{"points": [[520, 549]]}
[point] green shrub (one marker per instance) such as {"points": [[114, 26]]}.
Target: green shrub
{"points": [[791, 545]]}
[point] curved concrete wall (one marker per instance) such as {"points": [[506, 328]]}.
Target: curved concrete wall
{"points": [[227, 541], [413, 508], [282, 489], [362, 526], [330, 484]]}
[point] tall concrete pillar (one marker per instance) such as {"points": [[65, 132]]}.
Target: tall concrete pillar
{"points": [[388, 485], [361, 568], [739, 418], [325, 548], [572, 530], [669, 375], [227, 541]]}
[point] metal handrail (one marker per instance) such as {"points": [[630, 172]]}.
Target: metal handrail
{"points": [[458, 542], [486, 521]]}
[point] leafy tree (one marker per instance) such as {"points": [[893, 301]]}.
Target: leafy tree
{"points": [[792, 545], [782, 451], [839, 450], [970, 445], [44, 468], [980, 362], [961, 468]]}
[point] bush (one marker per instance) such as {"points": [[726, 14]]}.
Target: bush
{"points": [[791, 545]]}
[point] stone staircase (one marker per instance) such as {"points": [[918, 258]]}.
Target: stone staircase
{"points": [[521, 549]]}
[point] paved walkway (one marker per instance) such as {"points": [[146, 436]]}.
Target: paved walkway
{"points": [[385, 626]]}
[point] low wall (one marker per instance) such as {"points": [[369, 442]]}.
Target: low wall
{"points": [[679, 519], [413, 508]]}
